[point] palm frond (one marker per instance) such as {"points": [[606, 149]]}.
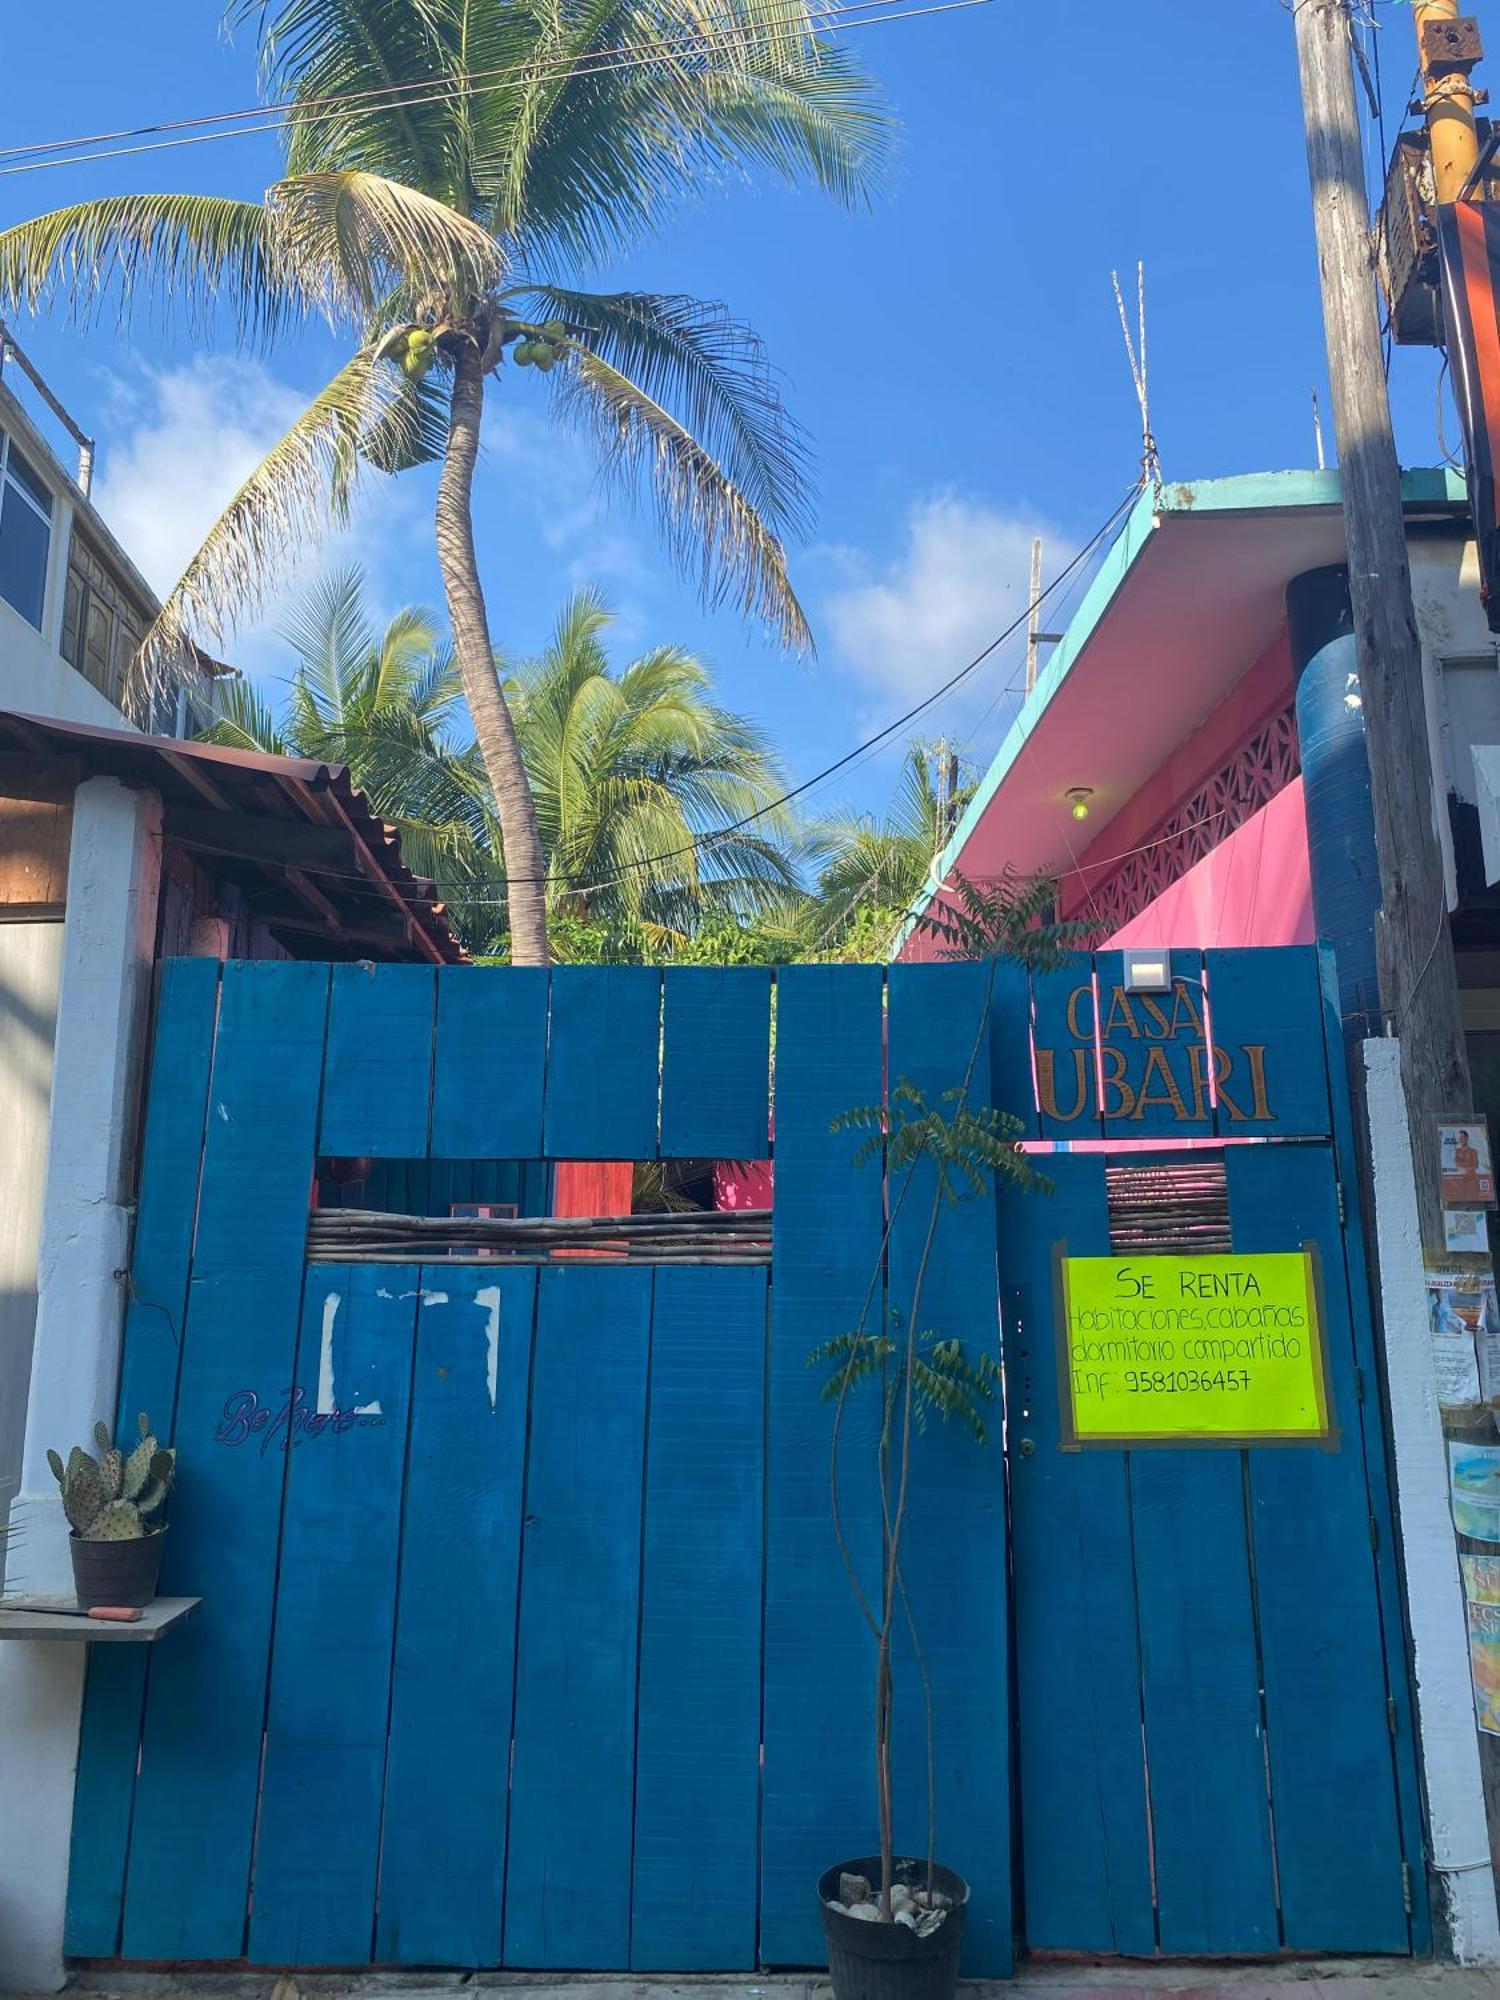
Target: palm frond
{"points": [[364, 235], [427, 86], [283, 508], [244, 721], [710, 526], [696, 359], [329, 631], [201, 253], [413, 428], [695, 93], [372, 53], [820, 119]]}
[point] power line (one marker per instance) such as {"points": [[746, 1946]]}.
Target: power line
{"points": [[460, 889], [830, 20], [413, 91]]}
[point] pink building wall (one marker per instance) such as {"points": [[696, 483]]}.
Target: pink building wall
{"points": [[1264, 691], [1253, 888]]}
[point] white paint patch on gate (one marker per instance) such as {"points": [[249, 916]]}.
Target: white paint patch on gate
{"points": [[489, 1298], [326, 1402]]}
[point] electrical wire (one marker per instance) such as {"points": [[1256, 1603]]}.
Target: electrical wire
{"points": [[413, 92], [828, 20], [915, 912], [460, 889]]}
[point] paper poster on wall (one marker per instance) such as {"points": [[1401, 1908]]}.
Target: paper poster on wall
{"points": [[1484, 1665], [1454, 1311], [1467, 1231], [1474, 1487], [1481, 1579], [1469, 1296], [1467, 1177], [1217, 1349]]}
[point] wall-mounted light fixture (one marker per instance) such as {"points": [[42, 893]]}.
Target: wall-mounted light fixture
{"points": [[1078, 801], [1147, 971]]}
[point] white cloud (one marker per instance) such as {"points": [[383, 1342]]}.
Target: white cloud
{"points": [[902, 627], [179, 443]]}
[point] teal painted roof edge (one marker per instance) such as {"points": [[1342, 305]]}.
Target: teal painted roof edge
{"points": [[1241, 493]]}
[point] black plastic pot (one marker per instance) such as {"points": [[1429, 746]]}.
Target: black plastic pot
{"points": [[888, 1961], [116, 1572]]}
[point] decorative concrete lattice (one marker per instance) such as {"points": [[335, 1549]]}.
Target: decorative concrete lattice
{"points": [[1265, 762]]}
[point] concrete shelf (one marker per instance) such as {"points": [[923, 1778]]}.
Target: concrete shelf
{"points": [[36, 1618]]}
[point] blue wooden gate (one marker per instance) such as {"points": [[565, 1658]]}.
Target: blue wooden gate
{"points": [[543, 1654], [1214, 1747]]}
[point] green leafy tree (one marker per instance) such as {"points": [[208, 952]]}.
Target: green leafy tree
{"points": [[633, 770], [871, 872], [634, 773], [387, 704], [938, 1151], [452, 166]]}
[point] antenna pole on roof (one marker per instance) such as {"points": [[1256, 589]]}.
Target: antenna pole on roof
{"points": [[1135, 354], [1414, 945], [1318, 432], [1034, 614]]}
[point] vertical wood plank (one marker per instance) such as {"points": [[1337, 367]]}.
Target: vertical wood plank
{"points": [[1266, 1006], [453, 1691], [490, 1062], [1067, 1073], [1084, 1823], [176, 1107], [819, 1797], [1154, 1052], [698, 1736], [1371, 1427], [603, 1063], [1332, 1759], [329, 1696], [954, 1540], [194, 1819], [1201, 1684], [378, 1083], [568, 1876], [716, 1062], [1012, 1083]]}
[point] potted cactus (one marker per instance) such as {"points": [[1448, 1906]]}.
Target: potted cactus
{"points": [[113, 1504]]}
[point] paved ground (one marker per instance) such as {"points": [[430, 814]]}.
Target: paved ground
{"points": [[1332, 1979]]}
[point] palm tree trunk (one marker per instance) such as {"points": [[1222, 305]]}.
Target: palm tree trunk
{"points": [[494, 727]]}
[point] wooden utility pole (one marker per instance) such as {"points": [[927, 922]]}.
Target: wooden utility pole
{"points": [[1418, 980]]}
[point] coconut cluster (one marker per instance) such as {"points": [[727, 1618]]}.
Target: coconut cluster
{"points": [[541, 347]]}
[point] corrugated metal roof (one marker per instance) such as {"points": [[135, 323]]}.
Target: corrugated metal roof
{"points": [[199, 780]]}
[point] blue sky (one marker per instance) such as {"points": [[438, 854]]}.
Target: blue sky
{"points": [[955, 353]]}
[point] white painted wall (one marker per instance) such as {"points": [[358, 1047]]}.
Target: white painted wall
{"points": [[1452, 627], [114, 873], [30, 968], [37, 682], [1434, 1589], [34, 676]]}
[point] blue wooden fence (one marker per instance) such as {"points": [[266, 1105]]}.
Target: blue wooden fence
{"points": [[547, 1657]]}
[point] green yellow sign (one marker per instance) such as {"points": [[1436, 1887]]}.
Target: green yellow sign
{"points": [[1193, 1350]]}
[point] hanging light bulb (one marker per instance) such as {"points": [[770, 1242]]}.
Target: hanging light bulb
{"points": [[1078, 801]]}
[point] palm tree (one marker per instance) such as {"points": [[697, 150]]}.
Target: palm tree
{"points": [[387, 705], [634, 773], [871, 872], [442, 155]]}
